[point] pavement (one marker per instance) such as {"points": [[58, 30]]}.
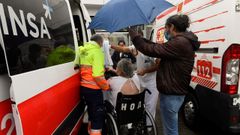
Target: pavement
{"points": [[205, 128]]}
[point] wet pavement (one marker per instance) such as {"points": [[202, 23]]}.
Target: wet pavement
{"points": [[205, 128]]}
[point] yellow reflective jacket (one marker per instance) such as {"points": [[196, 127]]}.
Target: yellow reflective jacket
{"points": [[90, 58]]}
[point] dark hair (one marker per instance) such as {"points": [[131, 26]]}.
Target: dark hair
{"points": [[97, 38], [181, 22], [121, 41]]}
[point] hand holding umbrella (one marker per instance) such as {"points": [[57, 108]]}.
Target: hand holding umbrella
{"points": [[133, 32]]}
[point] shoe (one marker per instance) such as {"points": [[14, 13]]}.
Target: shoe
{"points": [[96, 132]]}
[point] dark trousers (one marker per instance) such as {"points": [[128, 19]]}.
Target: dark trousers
{"points": [[94, 101]]}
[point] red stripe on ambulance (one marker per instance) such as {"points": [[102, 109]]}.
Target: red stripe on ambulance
{"points": [[204, 82], [217, 57], [216, 70], [209, 41], [194, 78], [187, 1], [172, 9], [203, 6], [168, 11], [204, 19], [180, 7], [211, 29], [47, 107]]}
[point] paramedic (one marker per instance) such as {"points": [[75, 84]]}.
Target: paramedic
{"points": [[90, 59]]}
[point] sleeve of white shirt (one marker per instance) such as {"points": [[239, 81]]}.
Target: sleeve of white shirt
{"points": [[132, 49], [107, 59]]}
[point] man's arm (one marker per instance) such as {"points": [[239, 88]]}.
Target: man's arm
{"points": [[168, 50], [153, 68], [121, 49], [132, 50]]}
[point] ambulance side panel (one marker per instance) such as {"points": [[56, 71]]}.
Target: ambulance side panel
{"points": [[215, 22], [40, 41]]}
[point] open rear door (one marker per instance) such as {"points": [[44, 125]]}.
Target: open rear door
{"points": [[39, 39], [7, 126]]}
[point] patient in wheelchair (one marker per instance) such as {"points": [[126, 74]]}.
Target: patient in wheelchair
{"points": [[126, 82]]}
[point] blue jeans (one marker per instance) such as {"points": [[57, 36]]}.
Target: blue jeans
{"points": [[169, 107]]}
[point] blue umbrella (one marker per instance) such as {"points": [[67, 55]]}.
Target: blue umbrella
{"points": [[118, 14]]}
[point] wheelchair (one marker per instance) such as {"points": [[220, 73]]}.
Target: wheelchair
{"points": [[129, 117]]}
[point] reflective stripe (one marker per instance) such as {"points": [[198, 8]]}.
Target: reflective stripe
{"points": [[86, 77], [101, 81], [88, 82], [90, 86], [99, 78]]}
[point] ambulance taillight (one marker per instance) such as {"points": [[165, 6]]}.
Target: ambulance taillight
{"points": [[230, 70]]}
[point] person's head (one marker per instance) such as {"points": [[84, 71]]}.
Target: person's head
{"points": [[121, 43], [125, 68], [176, 24], [97, 38]]}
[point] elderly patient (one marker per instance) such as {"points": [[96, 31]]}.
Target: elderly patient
{"points": [[126, 82]]}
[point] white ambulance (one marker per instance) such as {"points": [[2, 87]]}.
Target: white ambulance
{"points": [[39, 89], [215, 83]]}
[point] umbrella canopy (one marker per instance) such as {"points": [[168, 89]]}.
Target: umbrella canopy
{"points": [[118, 14]]}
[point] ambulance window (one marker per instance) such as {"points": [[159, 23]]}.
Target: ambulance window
{"points": [[3, 67], [36, 34], [78, 28]]}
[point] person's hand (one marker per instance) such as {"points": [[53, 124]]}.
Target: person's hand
{"points": [[132, 32], [113, 46], [111, 69], [141, 72], [106, 88]]}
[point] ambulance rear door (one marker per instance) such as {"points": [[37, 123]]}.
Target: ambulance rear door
{"points": [[39, 39]]}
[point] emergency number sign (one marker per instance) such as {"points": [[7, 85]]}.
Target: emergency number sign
{"points": [[204, 69]]}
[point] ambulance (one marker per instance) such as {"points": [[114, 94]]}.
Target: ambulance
{"points": [[39, 89], [215, 88]]}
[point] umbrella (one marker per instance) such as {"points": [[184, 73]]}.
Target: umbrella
{"points": [[118, 14]]}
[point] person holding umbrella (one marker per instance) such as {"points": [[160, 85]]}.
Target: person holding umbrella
{"points": [[174, 72]]}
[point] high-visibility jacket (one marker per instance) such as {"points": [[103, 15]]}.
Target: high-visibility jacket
{"points": [[90, 58]]}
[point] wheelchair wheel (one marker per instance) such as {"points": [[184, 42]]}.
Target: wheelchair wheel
{"points": [[151, 128], [111, 126], [146, 126]]}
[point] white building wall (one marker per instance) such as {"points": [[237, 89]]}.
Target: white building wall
{"points": [[93, 5], [94, 2]]}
